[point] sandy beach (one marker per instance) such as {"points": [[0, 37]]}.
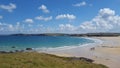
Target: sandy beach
{"points": [[107, 53]]}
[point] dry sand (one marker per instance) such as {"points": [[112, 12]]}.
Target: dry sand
{"points": [[110, 52], [107, 53]]}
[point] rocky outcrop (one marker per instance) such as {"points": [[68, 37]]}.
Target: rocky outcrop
{"points": [[29, 49]]}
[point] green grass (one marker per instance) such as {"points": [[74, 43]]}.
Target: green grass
{"points": [[41, 60]]}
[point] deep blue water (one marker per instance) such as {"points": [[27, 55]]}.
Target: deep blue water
{"points": [[22, 42]]}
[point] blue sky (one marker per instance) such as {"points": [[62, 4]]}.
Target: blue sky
{"points": [[59, 16]]}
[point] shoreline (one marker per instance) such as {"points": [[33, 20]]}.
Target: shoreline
{"points": [[107, 53], [14, 47], [96, 41]]}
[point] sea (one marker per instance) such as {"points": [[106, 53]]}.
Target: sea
{"points": [[12, 43]]}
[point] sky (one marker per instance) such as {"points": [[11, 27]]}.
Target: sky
{"points": [[59, 16]]}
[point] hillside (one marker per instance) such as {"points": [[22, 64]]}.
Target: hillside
{"points": [[41, 60]]}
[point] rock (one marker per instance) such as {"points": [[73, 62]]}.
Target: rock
{"points": [[16, 50], [82, 58], [93, 48], [13, 47], [11, 52], [28, 48], [3, 52], [21, 51], [86, 59]]}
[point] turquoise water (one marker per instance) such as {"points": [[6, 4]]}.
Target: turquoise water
{"points": [[23, 42]]}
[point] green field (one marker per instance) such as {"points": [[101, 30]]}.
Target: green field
{"points": [[41, 60]]}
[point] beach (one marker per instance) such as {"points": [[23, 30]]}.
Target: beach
{"points": [[106, 53]]}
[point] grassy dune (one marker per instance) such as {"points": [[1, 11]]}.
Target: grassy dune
{"points": [[40, 60]]}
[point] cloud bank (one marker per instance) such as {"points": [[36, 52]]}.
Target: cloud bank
{"points": [[9, 7], [105, 21], [66, 16]]}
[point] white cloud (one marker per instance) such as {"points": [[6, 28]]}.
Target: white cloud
{"points": [[106, 12], [9, 7], [43, 18], [29, 20], [105, 21], [66, 16], [67, 27], [44, 9], [80, 4], [19, 27], [4, 27], [87, 25], [1, 17]]}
